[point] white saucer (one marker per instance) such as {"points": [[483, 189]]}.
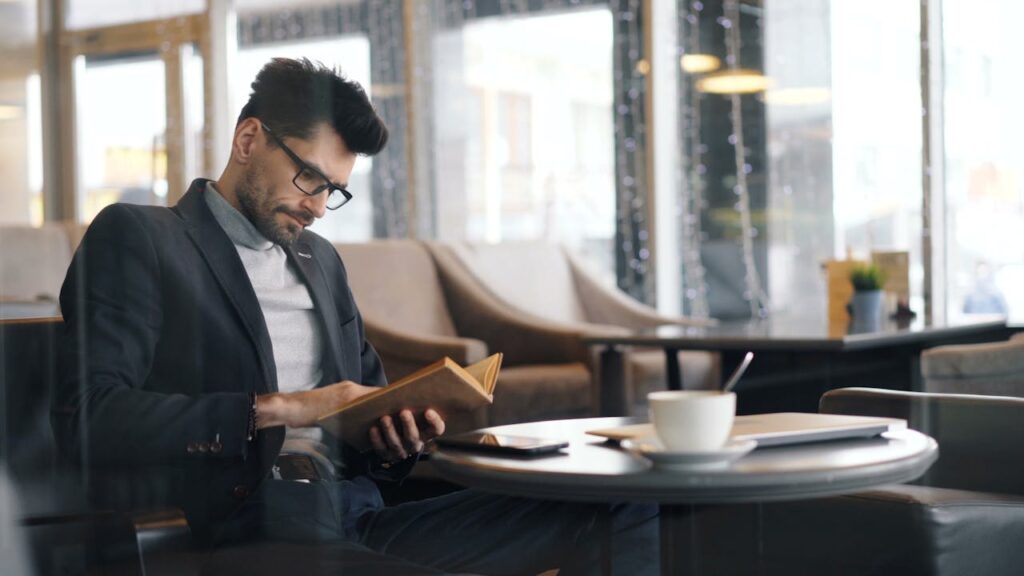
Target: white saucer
{"points": [[651, 448]]}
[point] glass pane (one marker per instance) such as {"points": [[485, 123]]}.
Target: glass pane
{"points": [[95, 13], [524, 132], [193, 148], [121, 111], [797, 147], [984, 183], [351, 55], [877, 126], [20, 131]]}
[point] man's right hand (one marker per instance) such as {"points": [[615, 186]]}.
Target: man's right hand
{"points": [[302, 409]]}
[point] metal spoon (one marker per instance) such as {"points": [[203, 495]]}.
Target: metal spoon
{"points": [[738, 373]]}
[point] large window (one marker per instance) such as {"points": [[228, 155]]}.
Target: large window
{"points": [[984, 176], [523, 131]]}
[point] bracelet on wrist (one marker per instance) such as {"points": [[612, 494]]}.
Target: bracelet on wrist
{"points": [[251, 429]]}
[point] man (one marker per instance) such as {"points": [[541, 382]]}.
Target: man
{"points": [[203, 341]]}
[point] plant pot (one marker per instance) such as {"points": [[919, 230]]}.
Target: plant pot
{"points": [[866, 311]]}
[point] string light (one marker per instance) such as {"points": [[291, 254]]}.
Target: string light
{"points": [[754, 292]]}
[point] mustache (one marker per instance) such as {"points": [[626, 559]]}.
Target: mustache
{"points": [[303, 216]]}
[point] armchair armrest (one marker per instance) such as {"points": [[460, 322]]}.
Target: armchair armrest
{"points": [[979, 436], [142, 543], [608, 306]]}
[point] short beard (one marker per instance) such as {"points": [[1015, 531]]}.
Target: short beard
{"points": [[257, 208]]}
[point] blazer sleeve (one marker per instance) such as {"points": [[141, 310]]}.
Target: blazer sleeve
{"points": [[101, 411]]}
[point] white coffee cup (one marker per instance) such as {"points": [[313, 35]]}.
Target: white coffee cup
{"points": [[692, 420]]}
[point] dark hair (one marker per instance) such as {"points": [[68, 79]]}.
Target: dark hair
{"points": [[292, 97]]}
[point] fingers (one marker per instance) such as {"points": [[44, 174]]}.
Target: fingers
{"points": [[436, 424], [377, 441], [395, 448], [411, 432], [391, 444]]}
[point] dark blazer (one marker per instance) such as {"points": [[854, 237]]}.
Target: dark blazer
{"points": [[164, 339]]}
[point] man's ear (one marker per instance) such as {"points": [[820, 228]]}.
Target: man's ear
{"points": [[245, 140]]}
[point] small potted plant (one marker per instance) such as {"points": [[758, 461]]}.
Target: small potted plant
{"points": [[866, 306]]}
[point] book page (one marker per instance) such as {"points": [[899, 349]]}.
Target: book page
{"points": [[485, 372]]}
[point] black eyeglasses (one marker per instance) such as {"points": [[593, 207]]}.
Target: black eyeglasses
{"points": [[310, 180]]}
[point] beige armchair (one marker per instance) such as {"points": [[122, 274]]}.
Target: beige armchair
{"points": [[415, 313], [992, 368], [545, 281]]}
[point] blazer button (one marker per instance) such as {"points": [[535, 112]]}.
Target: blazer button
{"points": [[216, 447], [240, 492], [204, 447], [192, 448]]}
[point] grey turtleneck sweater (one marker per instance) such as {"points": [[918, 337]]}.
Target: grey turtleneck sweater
{"points": [[287, 309]]}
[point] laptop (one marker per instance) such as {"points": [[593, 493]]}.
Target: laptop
{"points": [[781, 428]]}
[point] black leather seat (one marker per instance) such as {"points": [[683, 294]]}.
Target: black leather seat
{"points": [[64, 533], [965, 516]]}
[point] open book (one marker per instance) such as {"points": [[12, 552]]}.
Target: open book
{"points": [[444, 386]]}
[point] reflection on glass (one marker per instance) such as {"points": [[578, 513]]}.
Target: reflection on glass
{"points": [[94, 13], [876, 117], [843, 142], [20, 145], [984, 181], [122, 151], [351, 55], [523, 132]]}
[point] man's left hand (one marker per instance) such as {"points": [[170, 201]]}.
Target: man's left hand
{"points": [[393, 441]]}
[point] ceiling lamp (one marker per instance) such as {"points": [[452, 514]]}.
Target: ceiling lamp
{"points": [[738, 81], [699, 63]]}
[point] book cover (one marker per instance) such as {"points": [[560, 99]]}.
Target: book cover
{"points": [[445, 386]]}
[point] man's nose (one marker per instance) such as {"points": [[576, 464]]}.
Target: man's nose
{"points": [[317, 205]]}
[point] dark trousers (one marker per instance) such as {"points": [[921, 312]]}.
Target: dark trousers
{"points": [[463, 532]]}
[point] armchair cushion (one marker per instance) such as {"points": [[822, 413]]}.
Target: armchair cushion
{"points": [[541, 392], [531, 276], [900, 529], [395, 285], [995, 368]]}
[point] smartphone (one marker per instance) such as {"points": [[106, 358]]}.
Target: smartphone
{"points": [[500, 443]]}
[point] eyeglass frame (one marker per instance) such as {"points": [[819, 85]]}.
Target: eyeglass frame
{"points": [[329, 186]]}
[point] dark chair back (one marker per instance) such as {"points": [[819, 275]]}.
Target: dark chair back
{"points": [[46, 484], [980, 437]]}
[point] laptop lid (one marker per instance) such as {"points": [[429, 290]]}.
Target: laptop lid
{"points": [[781, 428]]}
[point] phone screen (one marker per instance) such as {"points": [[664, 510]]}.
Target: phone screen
{"points": [[521, 445]]}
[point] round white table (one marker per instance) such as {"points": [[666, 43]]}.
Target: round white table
{"points": [[593, 470]]}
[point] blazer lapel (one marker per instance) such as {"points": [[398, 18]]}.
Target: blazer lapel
{"points": [[225, 265], [312, 274]]}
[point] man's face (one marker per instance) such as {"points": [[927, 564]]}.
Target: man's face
{"points": [[269, 199]]}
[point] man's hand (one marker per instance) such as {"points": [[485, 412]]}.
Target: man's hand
{"points": [[391, 445], [302, 409]]}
